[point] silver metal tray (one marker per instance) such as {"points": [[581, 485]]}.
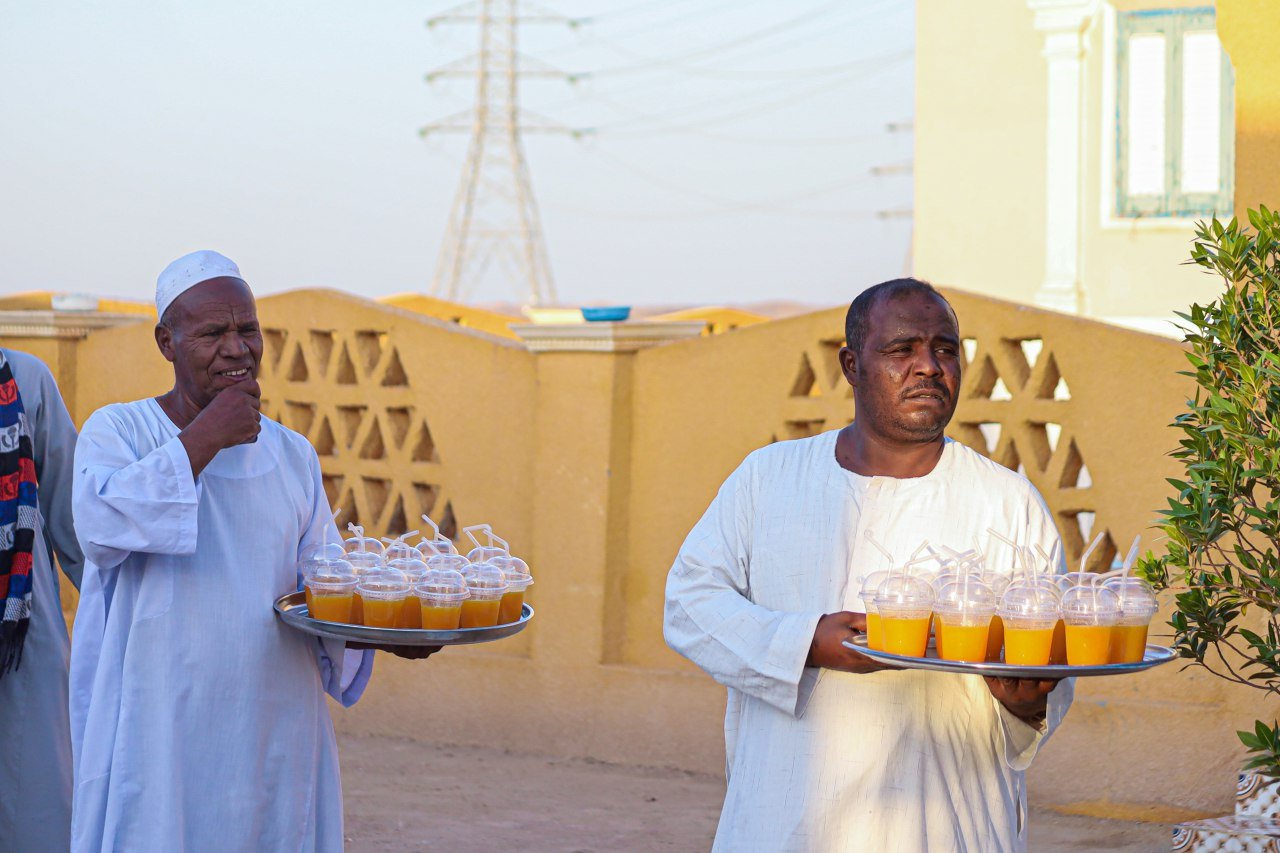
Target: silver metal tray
{"points": [[292, 610], [1155, 655]]}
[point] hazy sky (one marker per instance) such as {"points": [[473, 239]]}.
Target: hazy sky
{"points": [[730, 160]]}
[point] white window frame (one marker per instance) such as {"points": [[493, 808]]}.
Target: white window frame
{"points": [[1174, 211]]}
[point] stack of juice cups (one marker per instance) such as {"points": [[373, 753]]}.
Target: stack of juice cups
{"points": [[870, 585], [382, 593], [1029, 611], [962, 619], [441, 593], [1137, 606], [414, 571], [519, 579], [905, 604], [1090, 612], [486, 584], [330, 590]]}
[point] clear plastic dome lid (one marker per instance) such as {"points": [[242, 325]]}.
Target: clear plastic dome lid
{"points": [[364, 561], [363, 544], [484, 553], [1031, 599], [454, 562], [516, 570], [872, 582], [433, 547], [904, 589], [329, 574], [383, 583], [398, 549], [965, 595], [442, 583], [414, 568], [325, 551], [1135, 595], [485, 578], [998, 582], [1071, 580], [1090, 603]]}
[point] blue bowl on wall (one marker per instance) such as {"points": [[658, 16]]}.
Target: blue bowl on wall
{"points": [[614, 314]]}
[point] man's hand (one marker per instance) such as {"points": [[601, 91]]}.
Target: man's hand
{"points": [[232, 417], [828, 649], [408, 652], [1025, 698]]}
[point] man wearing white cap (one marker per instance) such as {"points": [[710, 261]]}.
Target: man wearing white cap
{"points": [[198, 722]]}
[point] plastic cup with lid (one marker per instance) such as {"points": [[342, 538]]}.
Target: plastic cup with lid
{"points": [[519, 579], [905, 604], [382, 595], [1029, 611], [962, 614], [414, 569], [1091, 612], [870, 585], [440, 593], [486, 584], [1138, 604], [399, 549], [330, 589]]}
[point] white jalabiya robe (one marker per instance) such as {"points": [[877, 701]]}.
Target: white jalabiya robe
{"points": [[198, 721], [820, 760], [35, 763]]}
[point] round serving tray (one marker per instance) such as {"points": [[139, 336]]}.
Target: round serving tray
{"points": [[1155, 655], [292, 610]]}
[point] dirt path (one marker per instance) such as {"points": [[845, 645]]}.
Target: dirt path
{"points": [[406, 796]]}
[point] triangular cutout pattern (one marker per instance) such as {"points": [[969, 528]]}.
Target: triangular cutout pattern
{"points": [[999, 391], [394, 376], [376, 491], [425, 448], [990, 436], [1031, 348], [806, 381], [322, 348], [397, 521], [298, 367], [426, 495], [350, 416], [346, 372], [299, 416], [369, 345], [324, 443], [273, 341], [373, 447], [398, 419]]}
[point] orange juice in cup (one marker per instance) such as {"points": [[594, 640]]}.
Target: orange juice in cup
{"points": [[905, 604], [486, 584], [330, 592], [1090, 613], [1137, 605], [382, 593], [870, 585], [414, 571], [1028, 611], [519, 579], [962, 614], [440, 594]]}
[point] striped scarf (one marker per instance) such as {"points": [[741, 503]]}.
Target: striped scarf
{"points": [[18, 520]]}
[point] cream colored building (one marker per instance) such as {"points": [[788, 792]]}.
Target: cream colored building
{"points": [[1065, 148]]}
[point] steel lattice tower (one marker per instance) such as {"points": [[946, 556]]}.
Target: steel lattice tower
{"points": [[495, 217]]}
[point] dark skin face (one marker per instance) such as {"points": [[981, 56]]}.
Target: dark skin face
{"points": [[211, 335], [906, 383]]}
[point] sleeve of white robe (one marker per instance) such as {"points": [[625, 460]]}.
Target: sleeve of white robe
{"points": [[344, 672], [54, 440], [126, 505], [710, 619], [1023, 741]]}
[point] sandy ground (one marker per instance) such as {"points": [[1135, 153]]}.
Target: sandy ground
{"points": [[406, 796]]}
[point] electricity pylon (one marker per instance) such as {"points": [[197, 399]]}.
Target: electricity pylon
{"points": [[495, 217]]}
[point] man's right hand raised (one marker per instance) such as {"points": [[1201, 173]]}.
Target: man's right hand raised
{"points": [[232, 417], [828, 649]]}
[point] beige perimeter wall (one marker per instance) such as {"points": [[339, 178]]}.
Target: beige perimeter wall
{"points": [[595, 465]]}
